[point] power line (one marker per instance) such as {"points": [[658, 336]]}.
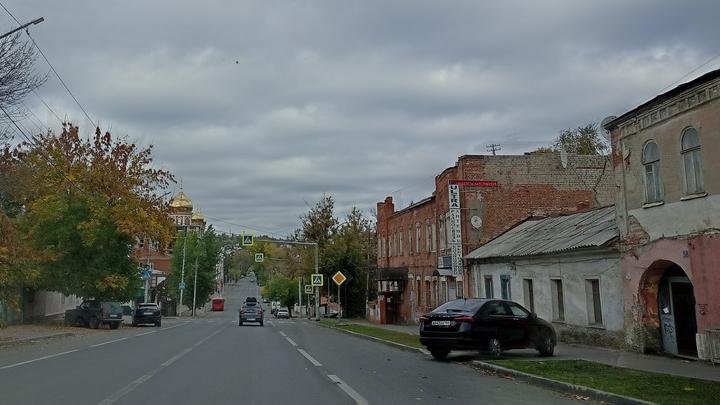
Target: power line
{"points": [[48, 107], [242, 226], [51, 67]]}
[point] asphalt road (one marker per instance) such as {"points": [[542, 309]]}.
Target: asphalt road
{"points": [[211, 360]]}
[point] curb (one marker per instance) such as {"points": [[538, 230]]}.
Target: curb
{"points": [[562, 386], [35, 339], [376, 339]]}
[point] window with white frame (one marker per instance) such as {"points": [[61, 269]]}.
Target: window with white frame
{"points": [[529, 294], [400, 242], [692, 161], [505, 291], [433, 232], [418, 238], [409, 236], [651, 162], [558, 304], [427, 235], [489, 293]]}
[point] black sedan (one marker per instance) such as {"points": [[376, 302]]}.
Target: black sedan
{"points": [[147, 313], [488, 325]]}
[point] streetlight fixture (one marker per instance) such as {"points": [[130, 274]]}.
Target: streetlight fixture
{"points": [[22, 27]]}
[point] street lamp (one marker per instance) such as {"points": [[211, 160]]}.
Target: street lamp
{"points": [[22, 27]]}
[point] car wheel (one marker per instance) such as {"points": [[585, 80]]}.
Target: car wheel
{"points": [[94, 323], [495, 347], [546, 344], [114, 325], [439, 354]]}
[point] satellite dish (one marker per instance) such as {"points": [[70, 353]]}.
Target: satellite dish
{"points": [[476, 222], [604, 122]]}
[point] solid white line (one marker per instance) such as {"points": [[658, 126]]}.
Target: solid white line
{"points": [[111, 341], [146, 333], [348, 390], [119, 394], [207, 337], [291, 341], [283, 334], [310, 358], [175, 326], [176, 357], [38, 359]]}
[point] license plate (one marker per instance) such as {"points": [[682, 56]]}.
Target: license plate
{"points": [[441, 323], [114, 316], [147, 313], [251, 319]]}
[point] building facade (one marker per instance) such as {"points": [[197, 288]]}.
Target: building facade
{"points": [[564, 268], [495, 193], [668, 211]]}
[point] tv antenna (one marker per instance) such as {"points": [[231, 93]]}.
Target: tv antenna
{"points": [[493, 147]]}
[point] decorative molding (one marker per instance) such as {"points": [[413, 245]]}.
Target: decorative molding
{"points": [[670, 108]]}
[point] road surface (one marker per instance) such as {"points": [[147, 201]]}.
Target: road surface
{"points": [[212, 360]]}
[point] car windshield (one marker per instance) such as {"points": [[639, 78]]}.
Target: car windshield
{"points": [[461, 305], [111, 307]]}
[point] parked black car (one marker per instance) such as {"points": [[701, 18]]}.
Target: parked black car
{"points": [[251, 311], [147, 313], [489, 325], [94, 313]]}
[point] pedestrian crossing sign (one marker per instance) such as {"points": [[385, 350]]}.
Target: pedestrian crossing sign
{"points": [[247, 240], [259, 257], [308, 289], [316, 280]]}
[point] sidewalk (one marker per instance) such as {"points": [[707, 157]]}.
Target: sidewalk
{"points": [[618, 358], [26, 333]]}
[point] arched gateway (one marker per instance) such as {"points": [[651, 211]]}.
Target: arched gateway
{"points": [[669, 302]]}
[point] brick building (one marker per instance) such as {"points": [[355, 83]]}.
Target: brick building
{"points": [[414, 253], [668, 211]]}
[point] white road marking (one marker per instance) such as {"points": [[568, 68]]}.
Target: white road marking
{"points": [[310, 358], [271, 323], [176, 357], [146, 333], [291, 341], [283, 333], [111, 341], [348, 390], [207, 337], [38, 359]]}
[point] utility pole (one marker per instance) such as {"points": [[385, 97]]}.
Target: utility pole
{"points": [[317, 289], [182, 273], [195, 286], [300, 295], [493, 147]]}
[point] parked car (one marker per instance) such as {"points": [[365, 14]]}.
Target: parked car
{"points": [[282, 313], [251, 311], [147, 313], [93, 313], [488, 325]]}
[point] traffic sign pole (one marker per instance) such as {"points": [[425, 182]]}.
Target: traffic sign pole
{"points": [[317, 289]]}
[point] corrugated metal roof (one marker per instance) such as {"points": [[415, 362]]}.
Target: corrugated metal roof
{"points": [[550, 235]]}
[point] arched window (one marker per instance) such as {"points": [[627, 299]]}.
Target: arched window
{"points": [[651, 161], [692, 161]]}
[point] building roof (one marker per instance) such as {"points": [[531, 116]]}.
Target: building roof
{"points": [[181, 200], [551, 235], [664, 96]]}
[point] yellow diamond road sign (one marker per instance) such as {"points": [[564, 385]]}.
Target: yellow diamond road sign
{"points": [[339, 278]]}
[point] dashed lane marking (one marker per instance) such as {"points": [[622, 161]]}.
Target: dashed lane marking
{"points": [[291, 341], [111, 341], [283, 334], [310, 358], [348, 390]]}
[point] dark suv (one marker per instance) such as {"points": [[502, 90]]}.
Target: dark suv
{"points": [[94, 313], [251, 311], [147, 313]]}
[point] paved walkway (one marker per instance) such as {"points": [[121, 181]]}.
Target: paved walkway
{"points": [[25, 333], [619, 358]]}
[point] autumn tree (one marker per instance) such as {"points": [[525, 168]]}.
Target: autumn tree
{"points": [[583, 140], [284, 289], [88, 201]]}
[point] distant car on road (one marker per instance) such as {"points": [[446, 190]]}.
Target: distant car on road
{"points": [[147, 313], [488, 325], [251, 311], [282, 313], [93, 313]]}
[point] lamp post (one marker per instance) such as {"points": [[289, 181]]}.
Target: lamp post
{"points": [[22, 27]]}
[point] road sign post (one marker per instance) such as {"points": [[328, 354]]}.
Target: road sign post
{"points": [[339, 279]]}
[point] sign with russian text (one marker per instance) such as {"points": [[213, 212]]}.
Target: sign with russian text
{"points": [[454, 223], [475, 183]]}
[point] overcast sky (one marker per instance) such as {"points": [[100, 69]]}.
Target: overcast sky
{"points": [[263, 106]]}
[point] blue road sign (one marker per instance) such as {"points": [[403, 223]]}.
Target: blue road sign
{"points": [[181, 286], [247, 240], [147, 273], [259, 257], [316, 280]]}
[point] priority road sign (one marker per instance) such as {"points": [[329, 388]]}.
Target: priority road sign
{"points": [[259, 257], [308, 289], [247, 240], [182, 285], [339, 278], [316, 280]]}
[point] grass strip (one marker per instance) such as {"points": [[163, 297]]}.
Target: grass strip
{"points": [[393, 336], [654, 387]]}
